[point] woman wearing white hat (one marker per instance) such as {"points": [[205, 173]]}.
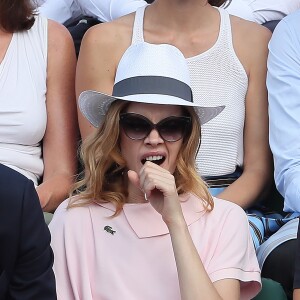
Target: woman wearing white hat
{"points": [[226, 56], [144, 225]]}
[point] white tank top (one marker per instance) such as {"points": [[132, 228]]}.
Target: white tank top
{"points": [[23, 115], [217, 78]]}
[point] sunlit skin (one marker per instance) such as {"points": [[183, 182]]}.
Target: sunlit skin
{"points": [[296, 294]]}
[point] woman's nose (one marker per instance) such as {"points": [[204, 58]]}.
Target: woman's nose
{"points": [[153, 138]]}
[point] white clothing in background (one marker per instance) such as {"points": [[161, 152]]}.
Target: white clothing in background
{"points": [[261, 11], [103, 10], [23, 116], [283, 82]]}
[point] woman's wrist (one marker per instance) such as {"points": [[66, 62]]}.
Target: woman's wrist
{"points": [[176, 225]]}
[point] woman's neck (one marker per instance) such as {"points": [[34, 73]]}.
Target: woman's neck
{"points": [[180, 15], [192, 29]]}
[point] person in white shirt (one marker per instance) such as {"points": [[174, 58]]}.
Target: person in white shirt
{"points": [[79, 15], [262, 11], [103, 10], [277, 255], [283, 83]]}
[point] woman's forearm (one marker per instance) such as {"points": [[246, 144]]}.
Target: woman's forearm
{"points": [[54, 190], [194, 281], [250, 187]]}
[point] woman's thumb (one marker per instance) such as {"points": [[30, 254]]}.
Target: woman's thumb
{"points": [[134, 178]]}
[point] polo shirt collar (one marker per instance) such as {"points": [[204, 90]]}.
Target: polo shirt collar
{"points": [[146, 222]]}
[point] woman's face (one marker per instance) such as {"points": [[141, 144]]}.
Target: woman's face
{"points": [[153, 147]]}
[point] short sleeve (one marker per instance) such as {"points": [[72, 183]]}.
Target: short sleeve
{"points": [[72, 245], [235, 256], [58, 243]]}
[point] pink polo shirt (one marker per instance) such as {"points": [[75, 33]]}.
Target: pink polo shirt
{"points": [[130, 256]]}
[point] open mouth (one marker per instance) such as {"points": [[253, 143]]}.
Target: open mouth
{"points": [[157, 159]]}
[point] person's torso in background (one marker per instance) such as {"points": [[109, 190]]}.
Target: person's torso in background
{"points": [[23, 116], [262, 11]]}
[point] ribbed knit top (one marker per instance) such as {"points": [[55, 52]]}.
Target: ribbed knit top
{"points": [[217, 78]]}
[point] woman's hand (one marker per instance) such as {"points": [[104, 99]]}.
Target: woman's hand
{"points": [[159, 188]]}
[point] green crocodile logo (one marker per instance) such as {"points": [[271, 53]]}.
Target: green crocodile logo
{"points": [[109, 230]]}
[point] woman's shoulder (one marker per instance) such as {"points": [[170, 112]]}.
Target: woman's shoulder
{"points": [[61, 50], [75, 215], [228, 210], [222, 204], [76, 206], [224, 217], [222, 209], [101, 50], [66, 216], [116, 33], [250, 41], [50, 26], [38, 31], [255, 30], [249, 34], [58, 33]]}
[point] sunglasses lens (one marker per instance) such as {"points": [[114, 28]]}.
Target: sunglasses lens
{"points": [[135, 127], [138, 127], [173, 128]]}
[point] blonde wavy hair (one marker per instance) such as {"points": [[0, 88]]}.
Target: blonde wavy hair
{"points": [[103, 176]]}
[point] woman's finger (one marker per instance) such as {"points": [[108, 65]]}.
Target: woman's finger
{"points": [[134, 178]]}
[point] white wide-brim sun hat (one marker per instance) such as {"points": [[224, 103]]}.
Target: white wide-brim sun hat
{"points": [[147, 73]]}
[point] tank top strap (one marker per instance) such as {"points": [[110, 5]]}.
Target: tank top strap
{"points": [[225, 38], [42, 28], [138, 26]]}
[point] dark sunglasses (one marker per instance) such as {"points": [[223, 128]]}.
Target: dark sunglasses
{"points": [[138, 127]]}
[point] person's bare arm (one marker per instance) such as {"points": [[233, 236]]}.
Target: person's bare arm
{"points": [[193, 279], [257, 173], [100, 52], [60, 140]]}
